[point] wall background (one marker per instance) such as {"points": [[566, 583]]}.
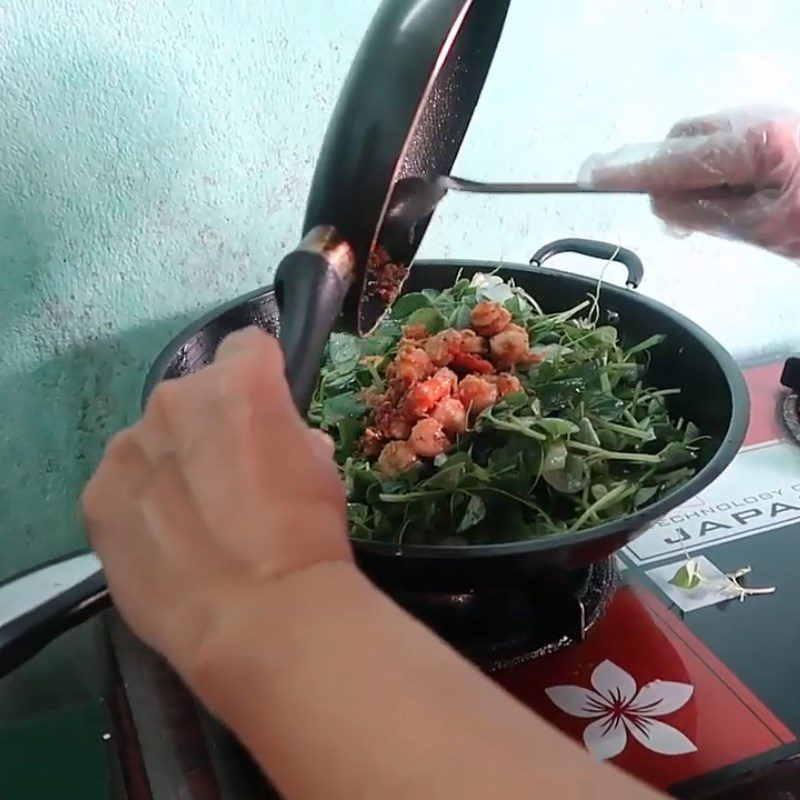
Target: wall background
{"points": [[155, 157]]}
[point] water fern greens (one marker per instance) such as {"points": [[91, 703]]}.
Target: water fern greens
{"points": [[586, 440]]}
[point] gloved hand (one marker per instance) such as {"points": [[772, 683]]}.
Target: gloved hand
{"points": [[693, 176]]}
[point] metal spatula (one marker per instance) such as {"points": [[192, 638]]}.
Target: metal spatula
{"points": [[414, 198], [445, 183]]}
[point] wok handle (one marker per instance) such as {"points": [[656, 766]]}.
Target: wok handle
{"points": [[310, 296], [39, 605], [594, 249]]}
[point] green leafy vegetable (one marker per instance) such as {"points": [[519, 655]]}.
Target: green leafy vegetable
{"points": [[687, 577], [584, 441], [431, 318], [408, 304]]}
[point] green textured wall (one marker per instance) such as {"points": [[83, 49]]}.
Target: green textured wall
{"points": [[155, 157], [153, 160]]}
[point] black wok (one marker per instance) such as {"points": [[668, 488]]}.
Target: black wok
{"points": [[713, 395], [36, 607]]}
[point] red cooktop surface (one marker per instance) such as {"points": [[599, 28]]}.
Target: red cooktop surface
{"points": [[687, 686]]}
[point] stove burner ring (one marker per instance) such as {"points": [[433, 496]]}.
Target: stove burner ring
{"points": [[589, 609], [497, 629]]}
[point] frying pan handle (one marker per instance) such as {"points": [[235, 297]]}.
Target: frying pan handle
{"points": [[41, 604], [310, 294], [594, 249]]}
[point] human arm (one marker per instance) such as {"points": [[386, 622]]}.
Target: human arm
{"points": [[220, 522], [696, 175]]}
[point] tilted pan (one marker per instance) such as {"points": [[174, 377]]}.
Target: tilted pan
{"points": [[404, 110]]}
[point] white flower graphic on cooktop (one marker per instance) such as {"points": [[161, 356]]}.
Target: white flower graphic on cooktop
{"points": [[619, 708]]}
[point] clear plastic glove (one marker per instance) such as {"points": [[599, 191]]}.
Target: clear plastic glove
{"points": [[734, 174]]}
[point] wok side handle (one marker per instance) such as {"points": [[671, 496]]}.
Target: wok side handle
{"points": [[39, 605], [594, 249]]}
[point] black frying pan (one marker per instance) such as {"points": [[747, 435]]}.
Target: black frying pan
{"points": [[404, 110]]}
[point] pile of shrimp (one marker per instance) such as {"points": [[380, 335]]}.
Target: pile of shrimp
{"points": [[438, 383]]}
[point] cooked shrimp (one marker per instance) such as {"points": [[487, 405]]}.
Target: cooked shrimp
{"points": [[452, 416], [488, 318], [395, 458], [415, 332], [447, 376], [451, 346], [476, 393], [466, 362], [411, 364], [510, 347], [507, 384], [423, 397], [472, 343], [442, 346], [425, 406], [428, 438]]}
